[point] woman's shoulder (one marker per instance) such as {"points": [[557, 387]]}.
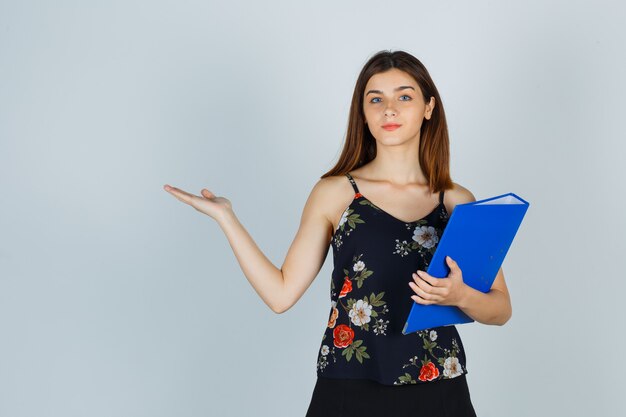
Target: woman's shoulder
{"points": [[332, 186], [458, 194], [335, 190], [331, 194]]}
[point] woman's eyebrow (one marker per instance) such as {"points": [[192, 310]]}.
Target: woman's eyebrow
{"points": [[402, 87]]}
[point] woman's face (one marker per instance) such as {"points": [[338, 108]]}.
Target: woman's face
{"points": [[394, 97]]}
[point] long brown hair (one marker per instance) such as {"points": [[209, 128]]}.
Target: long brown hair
{"points": [[434, 148]]}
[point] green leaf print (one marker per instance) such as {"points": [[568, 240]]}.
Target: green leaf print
{"points": [[357, 350], [353, 219], [361, 277], [428, 345], [407, 379], [366, 202], [360, 354], [376, 300], [347, 352]]}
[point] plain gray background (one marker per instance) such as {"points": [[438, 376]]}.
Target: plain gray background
{"points": [[116, 299]]}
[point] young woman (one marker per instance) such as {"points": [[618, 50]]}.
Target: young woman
{"points": [[382, 208]]}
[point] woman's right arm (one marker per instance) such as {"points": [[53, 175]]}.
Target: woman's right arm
{"points": [[278, 288], [281, 288]]}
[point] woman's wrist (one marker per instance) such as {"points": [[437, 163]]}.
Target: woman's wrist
{"points": [[227, 216]]}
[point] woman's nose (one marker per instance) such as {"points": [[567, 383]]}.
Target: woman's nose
{"points": [[390, 112]]}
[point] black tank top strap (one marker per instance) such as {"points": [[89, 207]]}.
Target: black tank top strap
{"points": [[441, 196], [356, 189]]}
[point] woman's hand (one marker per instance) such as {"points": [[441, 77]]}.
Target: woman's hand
{"points": [[208, 203], [444, 291]]}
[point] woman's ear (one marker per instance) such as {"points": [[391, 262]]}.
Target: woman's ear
{"points": [[431, 104]]}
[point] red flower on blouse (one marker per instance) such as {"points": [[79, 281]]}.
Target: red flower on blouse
{"points": [[342, 336], [428, 372], [347, 287]]}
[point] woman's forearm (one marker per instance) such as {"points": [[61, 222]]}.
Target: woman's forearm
{"points": [[266, 279], [492, 307]]}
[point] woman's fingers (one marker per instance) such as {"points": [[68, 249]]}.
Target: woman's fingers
{"points": [[207, 203], [183, 196], [207, 194]]}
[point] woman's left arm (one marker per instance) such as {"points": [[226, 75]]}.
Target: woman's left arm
{"points": [[493, 307]]}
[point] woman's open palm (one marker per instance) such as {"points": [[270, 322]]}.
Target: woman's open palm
{"points": [[207, 203]]}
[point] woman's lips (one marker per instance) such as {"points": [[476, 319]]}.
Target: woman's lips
{"points": [[391, 127]]}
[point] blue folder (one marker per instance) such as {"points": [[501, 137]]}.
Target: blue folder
{"points": [[478, 236]]}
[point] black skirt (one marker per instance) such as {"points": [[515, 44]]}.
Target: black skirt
{"points": [[334, 397]]}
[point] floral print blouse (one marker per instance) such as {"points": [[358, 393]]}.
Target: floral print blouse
{"points": [[374, 256]]}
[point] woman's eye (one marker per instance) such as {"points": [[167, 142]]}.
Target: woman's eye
{"points": [[378, 98]]}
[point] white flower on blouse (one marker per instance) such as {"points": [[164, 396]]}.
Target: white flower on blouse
{"points": [[360, 313], [426, 236], [452, 367], [325, 350], [380, 326], [344, 218], [433, 335], [358, 266]]}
